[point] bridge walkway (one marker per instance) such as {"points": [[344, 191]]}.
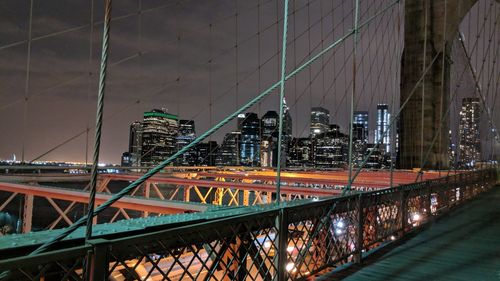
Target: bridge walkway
{"points": [[464, 245]]}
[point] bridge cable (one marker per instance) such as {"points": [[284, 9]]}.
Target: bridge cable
{"points": [[99, 117], [27, 80], [351, 114], [89, 78], [282, 99], [223, 122]]}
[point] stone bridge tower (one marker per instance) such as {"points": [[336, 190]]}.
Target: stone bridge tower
{"points": [[427, 27]]}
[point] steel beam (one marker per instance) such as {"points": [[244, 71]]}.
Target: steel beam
{"points": [[131, 203]]}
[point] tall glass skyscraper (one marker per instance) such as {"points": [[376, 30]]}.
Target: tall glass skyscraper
{"points": [[228, 154], [382, 133], [135, 144], [320, 120], [159, 133], [470, 143], [361, 118], [269, 138], [250, 140], [186, 135]]}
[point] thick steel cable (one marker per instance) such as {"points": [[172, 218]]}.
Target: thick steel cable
{"points": [[282, 98], [337, 74], [478, 87], [27, 80], [226, 120], [122, 60], [424, 57], [395, 117], [443, 116], [353, 93], [99, 117], [135, 102], [89, 77]]}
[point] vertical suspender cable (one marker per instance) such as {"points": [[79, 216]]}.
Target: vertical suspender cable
{"points": [[282, 97], [443, 65], [27, 81], [64, 233], [394, 132], [351, 112], [422, 108], [100, 108], [89, 77]]}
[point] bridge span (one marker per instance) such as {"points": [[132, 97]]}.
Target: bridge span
{"points": [[298, 240]]}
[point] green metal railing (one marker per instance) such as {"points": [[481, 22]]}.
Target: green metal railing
{"points": [[319, 235]]}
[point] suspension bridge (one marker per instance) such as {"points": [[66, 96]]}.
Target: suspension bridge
{"points": [[432, 64]]}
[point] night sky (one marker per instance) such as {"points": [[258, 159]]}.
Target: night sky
{"points": [[183, 55]]}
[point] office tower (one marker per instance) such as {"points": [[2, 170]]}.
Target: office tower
{"points": [[269, 138], [186, 135], [452, 151], [382, 133], [331, 149], [228, 154], [126, 159], [135, 144], [320, 118], [361, 122], [250, 140], [376, 159], [159, 133], [470, 143], [300, 152], [239, 121], [206, 153], [360, 139], [358, 133]]}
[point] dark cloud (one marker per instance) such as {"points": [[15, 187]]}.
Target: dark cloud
{"points": [[169, 56]]}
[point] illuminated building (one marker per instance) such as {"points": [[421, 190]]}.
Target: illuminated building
{"points": [[331, 149], [159, 133], [382, 132], [135, 144], [320, 118], [469, 141], [269, 138], [228, 154], [250, 140], [300, 152], [206, 153], [186, 135], [361, 123]]}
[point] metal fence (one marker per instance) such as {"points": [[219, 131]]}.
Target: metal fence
{"points": [[288, 243]]}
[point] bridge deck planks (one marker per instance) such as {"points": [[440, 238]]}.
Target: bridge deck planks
{"points": [[462, 246]]}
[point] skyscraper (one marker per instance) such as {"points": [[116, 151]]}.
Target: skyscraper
{"points": [[159, 133], [331, 149], [206, 153], [361, 118], [470, 143], [135, 144], [239, 121], [186, 135], [250, 140], [382, 133], [228, 154], [320, 119], [300, 152], [269, 138]]}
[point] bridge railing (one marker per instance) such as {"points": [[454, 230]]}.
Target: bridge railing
{"points": [[288, 243]]}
